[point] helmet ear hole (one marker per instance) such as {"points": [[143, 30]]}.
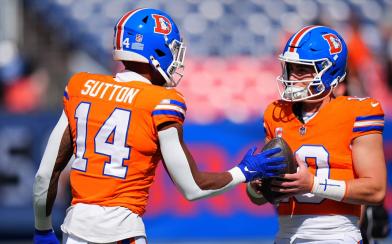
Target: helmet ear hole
{"points": [[145, 19], [159, 53], [334, 72]]}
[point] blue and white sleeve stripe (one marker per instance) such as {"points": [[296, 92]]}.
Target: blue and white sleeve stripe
{"points": [[369, 123], [66, 93], [170, 107], [174, 102], [168, 112]]}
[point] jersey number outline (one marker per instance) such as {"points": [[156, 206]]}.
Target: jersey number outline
{"points": [[320, 155], [115, 128]]}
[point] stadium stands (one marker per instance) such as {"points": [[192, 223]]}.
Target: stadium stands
{"points": [[230, 43]]}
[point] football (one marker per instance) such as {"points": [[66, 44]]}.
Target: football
{"points": [[291, 168]]}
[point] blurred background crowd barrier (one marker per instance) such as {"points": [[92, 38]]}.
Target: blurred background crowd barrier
{"points": [[231, 66]]}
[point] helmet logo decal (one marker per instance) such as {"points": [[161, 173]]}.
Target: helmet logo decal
{"points": [[139, 38], [335, 46], [162, 24]]}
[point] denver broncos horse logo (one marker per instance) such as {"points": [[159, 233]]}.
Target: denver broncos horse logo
{"points": [[335, 46], [162, 24]]}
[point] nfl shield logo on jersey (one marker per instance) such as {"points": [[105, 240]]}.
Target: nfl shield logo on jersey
{"points": [[162, 24], [302, 130]]}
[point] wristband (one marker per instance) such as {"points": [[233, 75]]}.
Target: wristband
{"points": [[327, 188], [252, 192], [238, 176]]}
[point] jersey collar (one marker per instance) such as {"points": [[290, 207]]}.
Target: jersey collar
{"points": [[127, 76]]}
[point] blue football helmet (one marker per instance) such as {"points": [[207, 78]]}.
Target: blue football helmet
{"points": [[323, 49], [150, 36]]}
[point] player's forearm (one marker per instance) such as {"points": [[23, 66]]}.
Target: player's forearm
{"points": [[212, 181], [369, 163], [42, 221], [357, 191], [211, 184], [44, 174], [206, 180], [193, 183], [365, 191]]}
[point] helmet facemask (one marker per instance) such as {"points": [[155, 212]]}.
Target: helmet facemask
{"points": [[174, 72], [176, 68], [302, 89]]}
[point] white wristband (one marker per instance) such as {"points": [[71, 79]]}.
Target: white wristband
{"points": [[238, 176], [327, 188], [252, 192]]}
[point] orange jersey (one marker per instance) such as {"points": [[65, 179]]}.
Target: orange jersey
{"points": [[324, 143], [115, 137]]}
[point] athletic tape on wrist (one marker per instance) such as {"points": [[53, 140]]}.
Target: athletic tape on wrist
{"points": [[327, 188]]}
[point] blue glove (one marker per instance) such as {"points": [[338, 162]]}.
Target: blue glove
{"points": [[45, 237], [262, 165]]}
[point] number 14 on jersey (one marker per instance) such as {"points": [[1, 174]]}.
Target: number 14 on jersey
{"points": [[115, 128]]}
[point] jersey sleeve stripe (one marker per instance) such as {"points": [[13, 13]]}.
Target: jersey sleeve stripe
{"points": [[180, 104], [168, 112], [371, 117], [170, 107], [369, 123], [368, 128], [173, 102], [66, 95]]}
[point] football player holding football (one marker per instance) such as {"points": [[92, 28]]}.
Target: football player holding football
{"points": [[118, 129], [337, 142]]}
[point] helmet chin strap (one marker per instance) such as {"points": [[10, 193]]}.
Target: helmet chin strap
{"points": [[319, 99]]}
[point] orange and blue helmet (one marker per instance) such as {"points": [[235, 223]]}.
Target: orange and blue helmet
{"points": [[150, 36], [320, 47]]}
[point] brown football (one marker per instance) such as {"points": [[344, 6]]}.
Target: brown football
{"points": [[291, 168]]}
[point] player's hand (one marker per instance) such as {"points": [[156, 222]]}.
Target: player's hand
{"points": [[45, 237], [262, 165], [256, 185], [300, 182]]}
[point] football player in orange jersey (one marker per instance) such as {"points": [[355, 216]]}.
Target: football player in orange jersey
{"points": [[337, 142], [118, 128]]}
